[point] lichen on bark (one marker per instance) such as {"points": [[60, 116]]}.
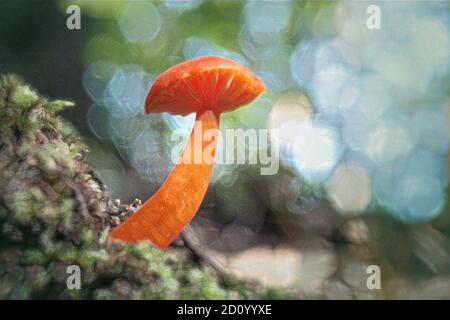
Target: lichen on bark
{"points": [[55, 212]]}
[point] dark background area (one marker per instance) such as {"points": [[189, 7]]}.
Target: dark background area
{"points": [[36, 45]]}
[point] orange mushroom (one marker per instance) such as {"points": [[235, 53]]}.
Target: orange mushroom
{"points": [[207, 86]]}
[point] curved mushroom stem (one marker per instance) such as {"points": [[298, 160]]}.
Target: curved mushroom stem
{"points": [[163, 216]]}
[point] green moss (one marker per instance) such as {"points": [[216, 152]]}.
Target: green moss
{"points": [[23, 97]]}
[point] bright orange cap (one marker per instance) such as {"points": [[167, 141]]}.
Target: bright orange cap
{"points": [[202, 84]]}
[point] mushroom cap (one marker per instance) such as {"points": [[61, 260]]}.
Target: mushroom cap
{"points": [[202, 84]]}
